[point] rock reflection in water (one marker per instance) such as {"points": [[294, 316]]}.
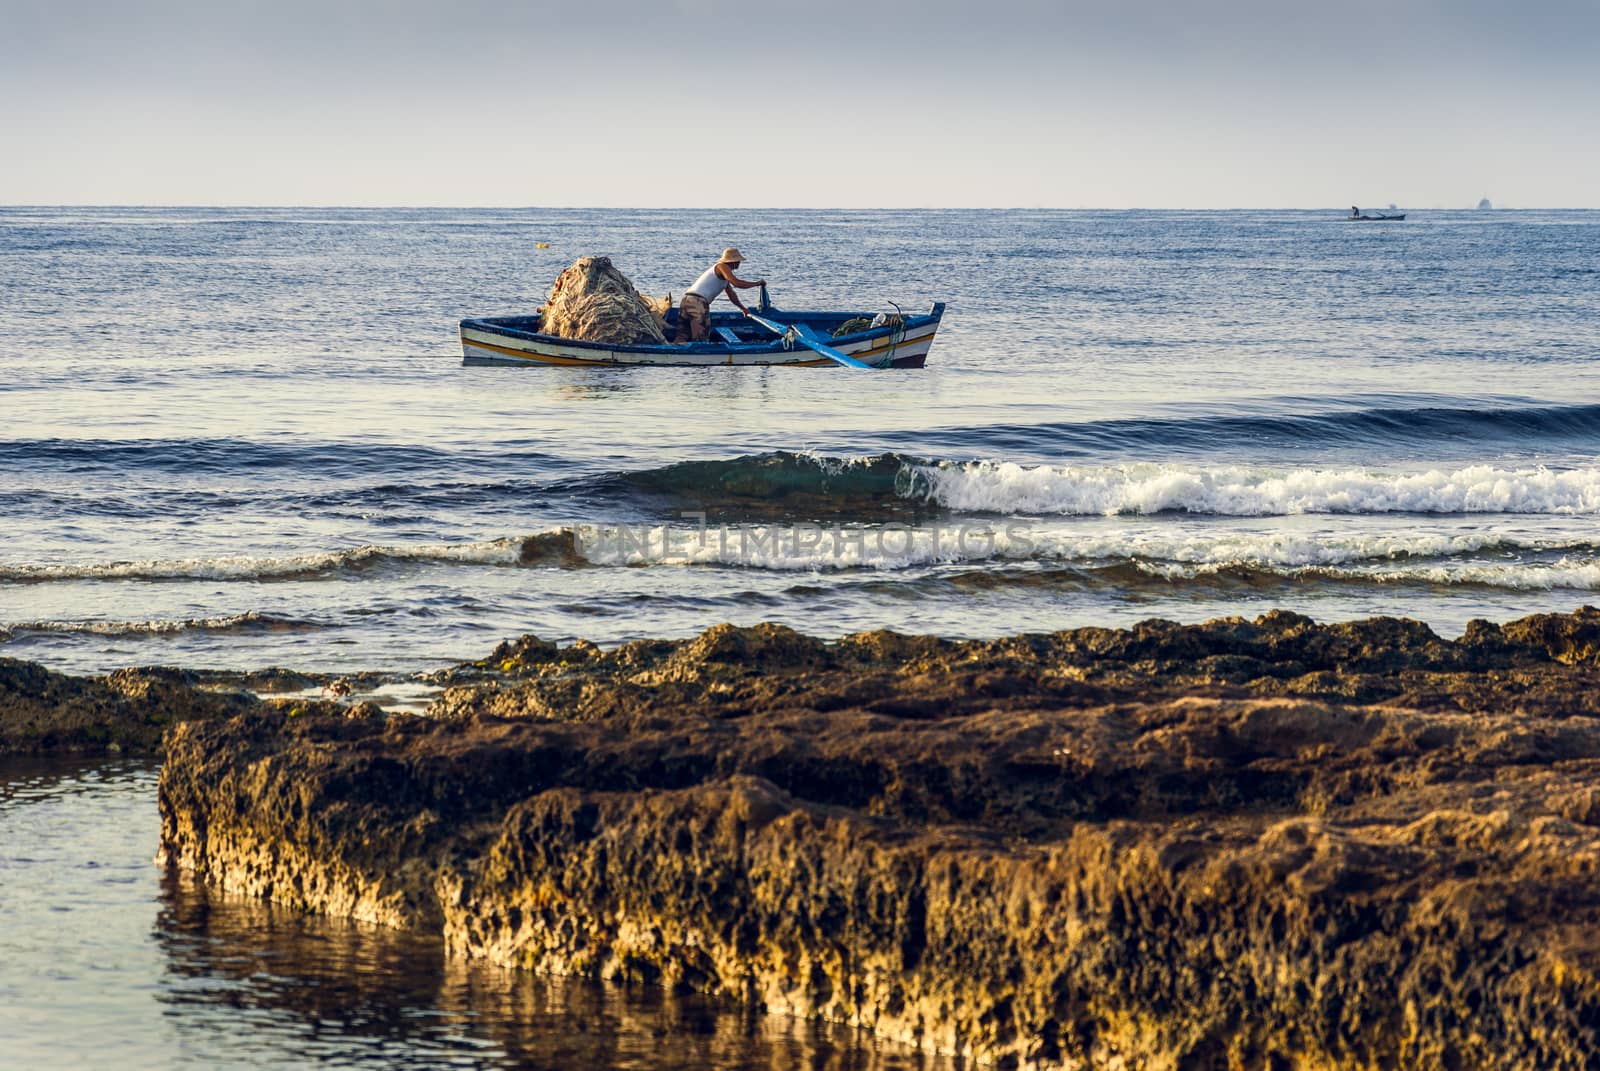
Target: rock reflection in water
{"points": [[107, 960], [300, 988]]}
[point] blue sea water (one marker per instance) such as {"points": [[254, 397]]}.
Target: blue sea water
{"points": [[235, 437], [242, 437]]}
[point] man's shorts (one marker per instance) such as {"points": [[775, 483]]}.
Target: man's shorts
{"points": [[694, 319]]}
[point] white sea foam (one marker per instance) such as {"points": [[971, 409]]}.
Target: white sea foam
{"points": [[1421, 556], [1567, 574], [891, 547], [253, 567], [1292, 549], [250, 620], [801, 547], [1008, 488]]}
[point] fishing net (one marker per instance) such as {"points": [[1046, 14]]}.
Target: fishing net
{"points": [[862, 323], [595, 302]]}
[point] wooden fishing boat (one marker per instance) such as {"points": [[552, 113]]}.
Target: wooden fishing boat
{"points": [[1375, 219], [773, 337]]}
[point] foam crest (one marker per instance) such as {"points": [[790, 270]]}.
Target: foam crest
{"points": [[895, 546], [268, 567], [1485, 556], [1567, 574], [250, 621], [1009, 488], [1564, 575]]}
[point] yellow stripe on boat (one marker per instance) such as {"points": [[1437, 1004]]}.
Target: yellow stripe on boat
{"points": [[515, 340], [532, 355]]}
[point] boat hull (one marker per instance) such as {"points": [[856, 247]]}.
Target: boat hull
{"points": [[516, 341]]}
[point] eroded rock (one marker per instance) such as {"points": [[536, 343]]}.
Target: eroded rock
{"points": [[1247, 844], [43, 711]]}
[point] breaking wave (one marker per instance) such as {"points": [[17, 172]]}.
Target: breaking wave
{"points": [[1098, 555], [1445, 558], [1153, 578], [510, 551], [251, 621], [1009, 488], [788, 485], [1566, 574], [782, 485]]}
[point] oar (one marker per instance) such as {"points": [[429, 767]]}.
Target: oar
{"points": [[782, 332]]}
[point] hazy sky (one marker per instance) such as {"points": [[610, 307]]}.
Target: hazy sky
{"points": [[709, 103]]}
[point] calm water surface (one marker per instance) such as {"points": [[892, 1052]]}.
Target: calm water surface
{"points": [[108, 961]]}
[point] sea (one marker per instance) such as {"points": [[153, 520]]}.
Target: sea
{"points": [[232, 438]]}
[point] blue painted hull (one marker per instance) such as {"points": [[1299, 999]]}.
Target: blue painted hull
{"points": [[517, 340]]}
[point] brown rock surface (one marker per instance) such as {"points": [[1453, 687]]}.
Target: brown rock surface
{"points": [[128, 711], [1246, 844]]}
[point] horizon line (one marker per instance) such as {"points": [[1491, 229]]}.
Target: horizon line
{"points": [[794, 208]]}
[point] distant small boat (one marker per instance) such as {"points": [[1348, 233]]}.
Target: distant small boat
{"points": [[900, 342], [1485, 205], [1380, 218]]}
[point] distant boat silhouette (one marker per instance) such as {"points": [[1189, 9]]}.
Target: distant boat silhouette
{"points": [[1484, 204], [1358, 216]]}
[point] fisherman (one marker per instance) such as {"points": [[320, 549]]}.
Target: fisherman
{"points": [[1355, 213], [694, 311]]}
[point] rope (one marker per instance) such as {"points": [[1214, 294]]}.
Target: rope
{"points": [[897, 335]]}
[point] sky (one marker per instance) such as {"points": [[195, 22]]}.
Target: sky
{"points": [[830, 103]]}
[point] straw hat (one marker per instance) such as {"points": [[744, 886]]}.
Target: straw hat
{"points": [[731, 255]]}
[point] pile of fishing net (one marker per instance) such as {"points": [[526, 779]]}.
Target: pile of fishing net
{"points": [[595, 302]]}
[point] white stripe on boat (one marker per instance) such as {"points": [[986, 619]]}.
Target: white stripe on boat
{"points": [[484, 341]]}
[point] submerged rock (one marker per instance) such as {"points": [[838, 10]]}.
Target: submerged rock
{"points": [[1251, 844]]}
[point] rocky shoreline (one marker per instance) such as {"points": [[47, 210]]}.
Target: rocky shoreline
{"points": [[1244, 844], [44, 712]]}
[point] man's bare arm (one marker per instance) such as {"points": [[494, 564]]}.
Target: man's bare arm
{"points": [[731, 279]]}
